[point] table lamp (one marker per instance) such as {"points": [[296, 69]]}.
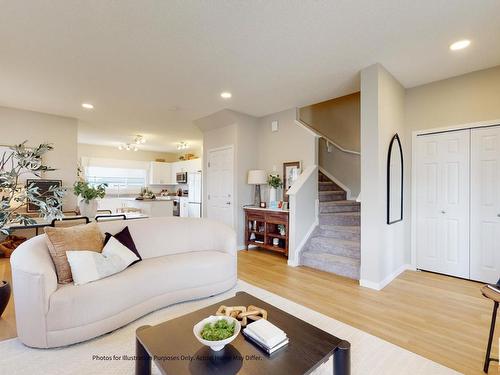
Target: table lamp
{"points": [[257, 177]]}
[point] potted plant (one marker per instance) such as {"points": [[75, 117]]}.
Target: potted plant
{"points": [[14, 197], [274, 181], [88, 194]]}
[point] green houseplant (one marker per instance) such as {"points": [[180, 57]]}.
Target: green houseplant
{"points": [[274, 181], [89, 194], [14, 197]]}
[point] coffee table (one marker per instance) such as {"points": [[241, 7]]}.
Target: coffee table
{"points": [[176, 351]]}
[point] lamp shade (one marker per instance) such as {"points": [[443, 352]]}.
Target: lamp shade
{"points": [[257, 177]]}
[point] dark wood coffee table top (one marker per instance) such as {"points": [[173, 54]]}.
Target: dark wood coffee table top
{"points": [[175, 350]]}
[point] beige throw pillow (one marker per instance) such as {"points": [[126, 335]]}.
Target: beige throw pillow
{"points": [[80, 237]]}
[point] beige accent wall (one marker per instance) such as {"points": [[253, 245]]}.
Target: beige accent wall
{"points": [[113, 153], [468, 98], [338, 119], [18, 125]]}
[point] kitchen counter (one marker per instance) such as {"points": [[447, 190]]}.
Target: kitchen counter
{"points": [[152, 207]]}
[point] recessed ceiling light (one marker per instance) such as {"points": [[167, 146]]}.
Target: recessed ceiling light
{"points": [[87, 106], [460, 44], [225, 95]]}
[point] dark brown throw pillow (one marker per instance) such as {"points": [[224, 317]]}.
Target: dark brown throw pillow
{"points": [[125, 238]]}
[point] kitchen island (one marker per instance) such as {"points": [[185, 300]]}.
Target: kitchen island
{"points": [[159, 207]]}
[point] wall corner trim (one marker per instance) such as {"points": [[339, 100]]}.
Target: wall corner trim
{"points": [[381, 285]]}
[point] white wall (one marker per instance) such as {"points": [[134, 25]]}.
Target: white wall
{"points": [[383, 247], [290, 143], [230, 128], [256, 147], [18, 125]]}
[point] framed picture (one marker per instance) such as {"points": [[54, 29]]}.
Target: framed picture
{"points": [[43, 187], [291, 171]]}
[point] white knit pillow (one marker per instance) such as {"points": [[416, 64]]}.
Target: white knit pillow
{"points": [[87, 266]]}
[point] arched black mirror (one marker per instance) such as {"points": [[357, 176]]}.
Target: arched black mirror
{"points": [[395, 181]]}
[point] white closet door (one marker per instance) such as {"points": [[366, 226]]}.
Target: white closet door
{"points": [[485, 205], [442, 191]]}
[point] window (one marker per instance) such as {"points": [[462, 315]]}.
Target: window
{"points": [[120, 180]]}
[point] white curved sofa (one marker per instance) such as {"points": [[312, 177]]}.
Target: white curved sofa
{"points": [[183, 259]]}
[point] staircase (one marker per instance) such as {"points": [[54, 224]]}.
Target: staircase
{"points": [[334, 246]]}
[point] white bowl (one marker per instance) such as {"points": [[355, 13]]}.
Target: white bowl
{"points": [[216, 345]]}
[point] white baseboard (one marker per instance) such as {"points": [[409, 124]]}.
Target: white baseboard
{"points": [[241, 247], [334, 179], [382, 284]]}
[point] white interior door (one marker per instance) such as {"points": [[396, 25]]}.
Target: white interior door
{"points": [[220, 185], [485, 205], [442, 192]]}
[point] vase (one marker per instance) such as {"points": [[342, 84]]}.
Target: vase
{"points": [[88, 209], [4, 295], [272, 195]]}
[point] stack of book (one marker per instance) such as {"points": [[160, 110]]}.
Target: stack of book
{"points": [[266, 335]]}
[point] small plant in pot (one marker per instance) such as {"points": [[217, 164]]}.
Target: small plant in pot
{"points": [[274, 181], [89, 194]]}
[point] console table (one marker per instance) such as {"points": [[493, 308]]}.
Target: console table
{"points": [[261, 228]]}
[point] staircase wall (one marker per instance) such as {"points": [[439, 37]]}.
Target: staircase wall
{"points": [[344, 166]]}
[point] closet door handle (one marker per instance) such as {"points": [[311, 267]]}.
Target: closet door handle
{"points": [[443, 211]]}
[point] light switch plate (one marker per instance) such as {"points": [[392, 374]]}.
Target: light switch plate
{"points": [[274, 126]]}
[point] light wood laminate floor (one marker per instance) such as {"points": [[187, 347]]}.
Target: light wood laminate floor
{"points": [[441, 318]]}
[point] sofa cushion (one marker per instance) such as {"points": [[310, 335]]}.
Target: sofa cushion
{"points": [[87, 266], [72, 306], [80, 237], [125, 238]]}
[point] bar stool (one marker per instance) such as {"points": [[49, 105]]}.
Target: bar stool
{"points": [[495, 297]]}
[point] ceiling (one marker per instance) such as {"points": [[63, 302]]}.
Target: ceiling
{"points": [[151, 67]]}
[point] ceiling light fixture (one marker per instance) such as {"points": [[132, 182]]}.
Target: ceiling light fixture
{"points": [[128, 147], [87, 106], [139, 139], [461, 44], [182, 146], [226, 95]]}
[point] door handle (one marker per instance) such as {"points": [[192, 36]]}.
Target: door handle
{"points": [[443, 211], [228, 203]]}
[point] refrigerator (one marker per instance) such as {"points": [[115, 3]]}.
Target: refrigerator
{"points": [[194, 194]]}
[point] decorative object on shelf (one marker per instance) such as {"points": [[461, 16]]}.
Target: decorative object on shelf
{"points": [[9, 244], [262, 204], [284, 206], [18, 162], [291, 171], [395, 181], [89, 193], [275, 183], [4, 295], [276, 242], [242, 313], [281, 229], [257, 177]]}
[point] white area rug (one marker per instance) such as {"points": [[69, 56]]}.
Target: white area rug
{"points": [[369, 354]]}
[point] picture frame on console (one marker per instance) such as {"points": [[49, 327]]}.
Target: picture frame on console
{"points": [[291, 171]]}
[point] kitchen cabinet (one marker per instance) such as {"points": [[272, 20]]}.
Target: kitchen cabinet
{"points": [[160, 173], [193, 165], [152, 208]]}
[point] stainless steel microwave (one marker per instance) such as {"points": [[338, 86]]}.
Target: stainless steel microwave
{"points": [[181, 177]]}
